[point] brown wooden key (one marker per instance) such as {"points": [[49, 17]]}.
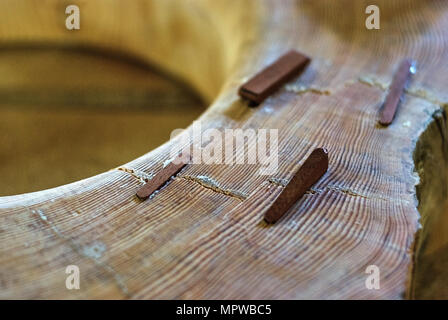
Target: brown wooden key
{"points": [[308, 174], [272, 77]]}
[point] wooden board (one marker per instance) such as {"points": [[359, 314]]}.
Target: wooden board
{"points": [[202, 236]]}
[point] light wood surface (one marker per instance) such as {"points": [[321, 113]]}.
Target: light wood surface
{"points": [[202, 240]]}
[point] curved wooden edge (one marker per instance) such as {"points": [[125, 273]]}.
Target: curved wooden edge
{"points": [[203, 236]]}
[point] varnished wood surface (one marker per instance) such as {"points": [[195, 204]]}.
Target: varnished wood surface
{"points": [[198, 239]]}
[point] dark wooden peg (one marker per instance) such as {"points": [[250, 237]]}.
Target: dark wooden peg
{"points": [[308, 174], [272, 77], [405, 69], [163, 176]]}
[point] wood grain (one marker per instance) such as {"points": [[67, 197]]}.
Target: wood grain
{"points": [[193, 241]]}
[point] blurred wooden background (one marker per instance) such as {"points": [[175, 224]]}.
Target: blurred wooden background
{"points": [[64, 113]]}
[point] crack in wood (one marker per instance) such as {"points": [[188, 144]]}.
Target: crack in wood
{"points": [[440, 119], [211, 184], [421, 93], [303, 89], [138, 174], [312, 191]]}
